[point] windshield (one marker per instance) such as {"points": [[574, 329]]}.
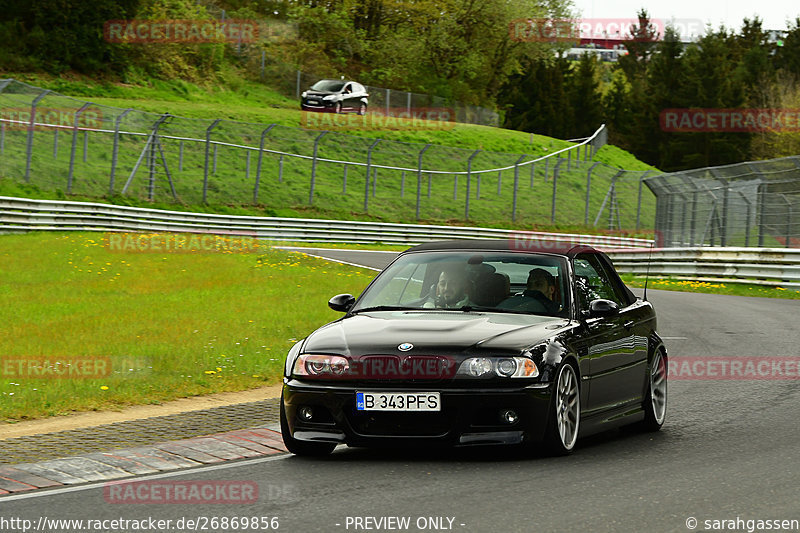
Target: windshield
{"points": [[333, 86], [493, 281]]}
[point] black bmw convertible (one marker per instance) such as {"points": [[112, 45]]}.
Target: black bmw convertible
{"points": [[478, 342]]}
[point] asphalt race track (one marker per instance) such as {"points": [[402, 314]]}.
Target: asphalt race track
{"points": [[728, 451]]}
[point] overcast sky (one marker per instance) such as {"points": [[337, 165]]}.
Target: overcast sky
{"points": [[730, 12]]}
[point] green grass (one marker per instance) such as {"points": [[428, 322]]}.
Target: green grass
{"points": [[172, 324], [232, 185], [720, 287]]}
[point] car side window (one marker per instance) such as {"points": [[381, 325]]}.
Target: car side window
{"points": [[348, 88], [592, 282]]}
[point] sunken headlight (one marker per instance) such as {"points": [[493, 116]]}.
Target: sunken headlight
{"points": [[504, 367], [320, 365]]}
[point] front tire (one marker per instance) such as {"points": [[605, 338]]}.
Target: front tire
{"points": [[299, 447], [362, 109], [655, 401], [565, 413], [337, 108]]}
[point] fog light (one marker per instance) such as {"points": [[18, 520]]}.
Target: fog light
{"points": [[508, 416], [305, 413]]}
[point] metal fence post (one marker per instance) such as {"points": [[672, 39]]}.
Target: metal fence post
{"points": [[556, 170], [344, 180], [588, 192], [569, 159], [639, 199], [30, 133], [180, 157], [747, 220], [402, 183], [369, 168], [761, 213], [408, 104], [789, 217], [723, 230], [154, 144], [115, 150], [260, 161], [455, 186], [205, 165], [516, 187], [419, 176], [74, 145], [314, 167], [55, 143], [546, 168], [388, 100], [469, 177], [533, 172], [298, 85]]}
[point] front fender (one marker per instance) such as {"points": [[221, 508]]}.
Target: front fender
{"points": [[294, 351]]}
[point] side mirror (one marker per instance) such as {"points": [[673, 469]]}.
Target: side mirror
{"points": [[602, 308], [342, 302]]}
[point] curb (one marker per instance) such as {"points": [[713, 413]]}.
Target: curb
{"points": [[150, 459]]}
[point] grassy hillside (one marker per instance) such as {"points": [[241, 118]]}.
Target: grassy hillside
{"points": [[252, 105]]}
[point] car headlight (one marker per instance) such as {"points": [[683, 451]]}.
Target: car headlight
{"points": [[330, 97], [320, 365], [304, 94], [504, 367]]}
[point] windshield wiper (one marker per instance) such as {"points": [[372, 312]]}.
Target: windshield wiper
{"points": [[385, 308], [469, 308]]}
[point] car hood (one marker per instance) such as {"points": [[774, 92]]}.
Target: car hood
{"points": [[320, 93], [431, 332]]}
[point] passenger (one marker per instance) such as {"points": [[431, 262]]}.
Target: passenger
{"points": [[537, 296]]}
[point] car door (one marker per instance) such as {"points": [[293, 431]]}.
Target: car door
{"points": [[616, 363], [348, 97]]}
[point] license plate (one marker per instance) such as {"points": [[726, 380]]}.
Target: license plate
{"points": [[313, 102], [398, 401]]}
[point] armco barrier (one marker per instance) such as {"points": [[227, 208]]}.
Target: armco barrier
{"points": [[759, 266], [22, 214], [764, 266]]}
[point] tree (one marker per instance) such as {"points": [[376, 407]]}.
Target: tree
{"points": [[640, 45], [584, 96]]}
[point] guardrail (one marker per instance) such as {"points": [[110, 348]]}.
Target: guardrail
{"points": [[758, 266], [23, 214]]}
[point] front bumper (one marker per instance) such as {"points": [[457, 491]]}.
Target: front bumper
{"points": [[469, 416], [322, 106]]}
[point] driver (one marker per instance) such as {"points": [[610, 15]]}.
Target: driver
{"points": [[451, 290]]}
